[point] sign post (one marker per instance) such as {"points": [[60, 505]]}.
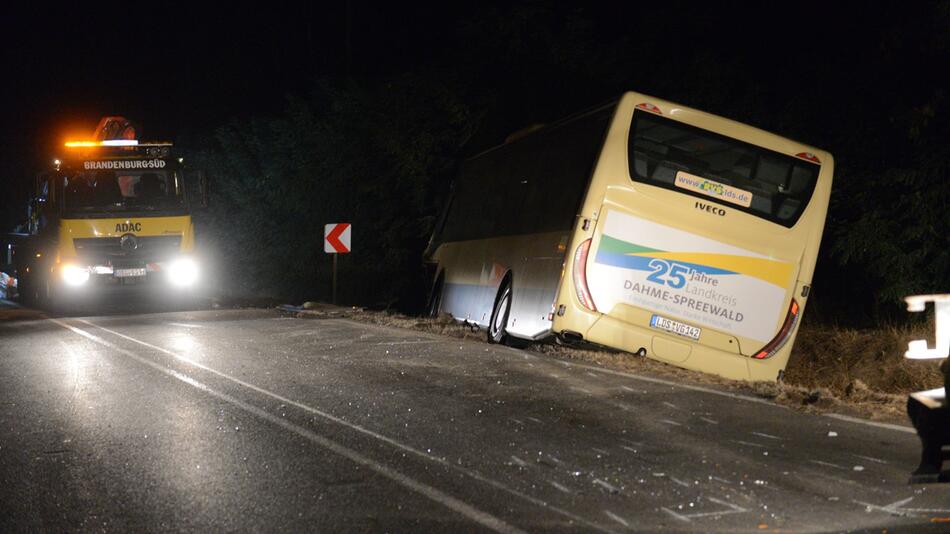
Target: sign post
{"points": [[336, 240]]}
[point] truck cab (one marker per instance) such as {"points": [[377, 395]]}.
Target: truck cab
{"points": [[111, 214]]}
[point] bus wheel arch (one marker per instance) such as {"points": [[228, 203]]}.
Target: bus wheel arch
{"points": [[498, 323], [434, 303]]}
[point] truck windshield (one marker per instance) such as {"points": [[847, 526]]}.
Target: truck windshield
{"points": [[122, 190]]}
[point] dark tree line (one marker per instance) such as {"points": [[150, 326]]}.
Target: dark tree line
{"points": [[379, 151]]}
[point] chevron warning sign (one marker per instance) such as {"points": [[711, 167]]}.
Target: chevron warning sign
{"points": [[336, 238]]}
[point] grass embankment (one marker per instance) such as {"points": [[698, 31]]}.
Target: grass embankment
{"points": [[832, 369]]}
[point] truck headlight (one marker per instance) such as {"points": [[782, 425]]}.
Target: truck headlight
{"points": [[183, 272], [75, 275]]}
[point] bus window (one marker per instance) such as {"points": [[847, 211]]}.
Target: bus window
{"points": [[676, 156]]}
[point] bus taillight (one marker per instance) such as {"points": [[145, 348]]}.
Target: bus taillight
{"points": [[580, 276], [791, 319]]}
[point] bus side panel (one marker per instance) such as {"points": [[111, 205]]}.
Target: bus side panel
{"points": [[535, 281], [471, 278]]}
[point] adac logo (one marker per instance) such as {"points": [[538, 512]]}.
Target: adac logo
{"points": [[128, 226]]}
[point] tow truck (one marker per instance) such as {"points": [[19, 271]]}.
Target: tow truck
{"points": [[111, 215]]}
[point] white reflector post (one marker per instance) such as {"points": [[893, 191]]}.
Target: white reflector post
{"points": [[918, 349]]}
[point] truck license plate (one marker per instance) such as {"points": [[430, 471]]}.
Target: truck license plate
{"points": [[128, 273], [675, 327]]}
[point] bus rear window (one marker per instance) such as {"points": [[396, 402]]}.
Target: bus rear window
{"points": [[697, 162]]}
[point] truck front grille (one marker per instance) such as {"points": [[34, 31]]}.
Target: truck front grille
{"points": [[108, 250]]}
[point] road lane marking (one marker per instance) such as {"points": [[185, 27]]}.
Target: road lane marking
{"points": [[617, 518], [560, 487], [363, 430], [870, 459], [519, 461], [749, 443], [186, 325], [452, 503], [688, 518], [607, 486], [680, 482], [420, 342], [897, 508], [848, 418], [737, 396], [829, 464], [767, 436]]}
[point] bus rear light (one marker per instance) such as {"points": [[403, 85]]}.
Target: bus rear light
{"points": [[650, 107], [791, 319], [580, 276], [808, 156]]}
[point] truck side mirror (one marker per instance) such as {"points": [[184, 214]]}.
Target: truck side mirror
{"points": [[199, 177]]}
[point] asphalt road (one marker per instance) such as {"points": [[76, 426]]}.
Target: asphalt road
{"points": [[246, 420]]}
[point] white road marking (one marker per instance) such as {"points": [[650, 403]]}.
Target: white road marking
{"points": [[463, 508], [870, 459], [710, 421], [519, 461], [829, 464], [676, 515], [607, 486], [731, 509], [422, 454], [768, 436], [848, 418], [674, 423], [671, 405], [186, 325], [737, 396], [617, 518], [680, 482], [560, 487], [749, 443], [897, 508], [420, 342]]}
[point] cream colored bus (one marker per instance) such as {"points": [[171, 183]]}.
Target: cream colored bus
{"points": [[642, 225]]}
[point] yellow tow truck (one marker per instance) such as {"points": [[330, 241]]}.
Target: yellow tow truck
{"points": [[112, 215]]}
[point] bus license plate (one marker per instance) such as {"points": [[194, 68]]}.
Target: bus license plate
{"points": [[129, 273], [675, 327]]}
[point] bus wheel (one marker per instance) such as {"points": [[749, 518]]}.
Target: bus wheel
{"points": [[434, 306], [499, 315]]}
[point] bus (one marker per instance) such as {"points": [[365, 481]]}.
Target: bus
{"points": [[641, 225], [111, 217]]}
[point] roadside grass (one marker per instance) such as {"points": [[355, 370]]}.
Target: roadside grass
{"points": [[859, 372]]}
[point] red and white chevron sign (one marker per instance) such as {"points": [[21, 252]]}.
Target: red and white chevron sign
{"points": [[336, 238]]}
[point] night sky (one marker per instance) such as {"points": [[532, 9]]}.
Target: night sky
{"points": [[181, 70]]}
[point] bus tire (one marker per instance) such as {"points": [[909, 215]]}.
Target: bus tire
{"points": [[434, 305], [499, 315]]}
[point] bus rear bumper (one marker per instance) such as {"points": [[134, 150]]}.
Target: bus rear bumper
{"points": [[615, 333]]}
